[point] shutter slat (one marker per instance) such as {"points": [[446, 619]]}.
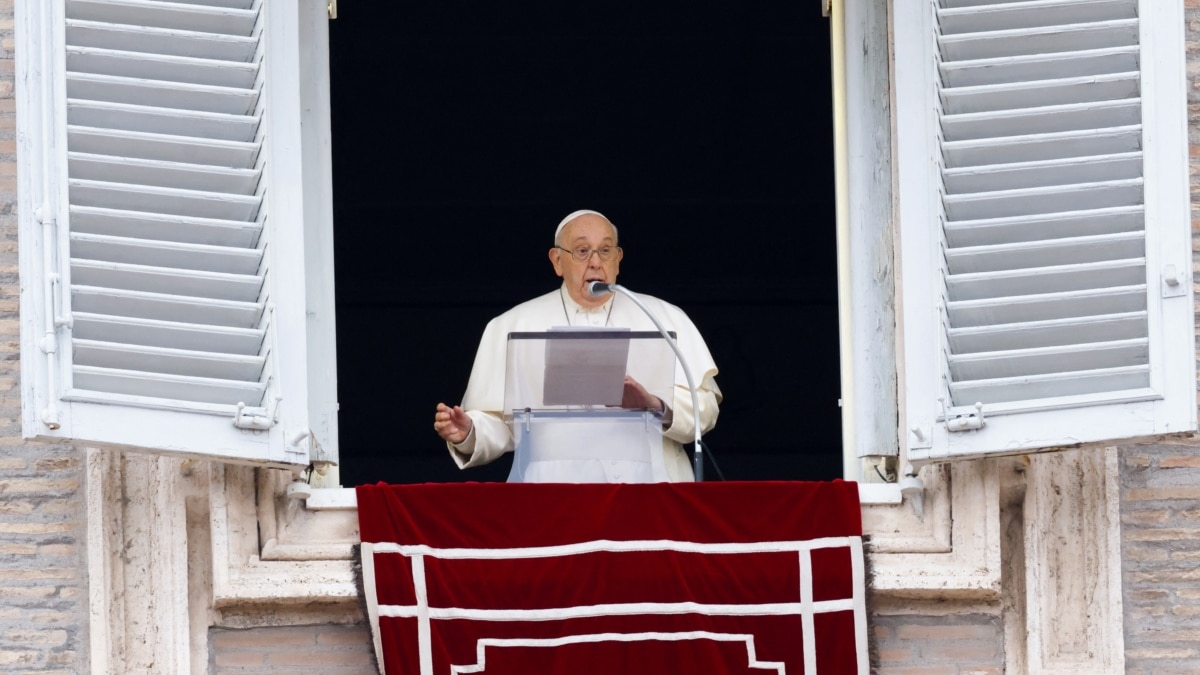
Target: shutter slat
{"points": [[118, 223], [1052, 199], [1055, 332], [161, 67], [166, 307], [1005, 390], [230, 260], [1007, 16], [197, 283], [158, 173], [168, 361], [139, 145], [1010, 96], [190, 17], [1067, 171], [149, 332], [1046, 306], [1043, 120], [1036, 147], [1042, 280], [169, 387], [233, 4], [188, 123], [171, 201], [1049, 360], [992, 231], [1033, 67], [104, 35], [1046, 253], [157, 94], [1049, 40]]}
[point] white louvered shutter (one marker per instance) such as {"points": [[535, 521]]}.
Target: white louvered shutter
{"points": [[171, 258], [1046, 258]]}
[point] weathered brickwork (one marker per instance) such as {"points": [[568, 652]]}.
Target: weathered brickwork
{"points": [[1160, 495], [336, 650], [43, 590], [1160, 533], [957, 644]]}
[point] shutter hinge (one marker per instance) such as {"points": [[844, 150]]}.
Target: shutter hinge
{"points": [[255, 419], [966, 421], [331, 7], [56, 295], [52, 306], [826, 8]]}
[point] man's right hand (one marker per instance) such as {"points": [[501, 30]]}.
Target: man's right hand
{"points": [[452, 424]]}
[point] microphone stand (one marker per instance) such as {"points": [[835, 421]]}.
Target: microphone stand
{"points": [[596, 288]]}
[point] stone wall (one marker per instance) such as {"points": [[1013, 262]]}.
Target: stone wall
{"points": [[1160, 531], [43, 589], [924, 644], [336, 650]]}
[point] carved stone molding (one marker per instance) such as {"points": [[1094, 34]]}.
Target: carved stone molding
{"points": [[137, 564], [953, 549], [1072, 532]]}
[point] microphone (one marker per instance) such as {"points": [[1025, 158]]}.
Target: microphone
{"points": [[599, 288]]}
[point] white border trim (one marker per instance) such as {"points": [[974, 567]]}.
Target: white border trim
{"points": [[425, 613], [368, 573], [607, 545], [752, 660]]}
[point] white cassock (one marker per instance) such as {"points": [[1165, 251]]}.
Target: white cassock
{"points": [[491, 437]]}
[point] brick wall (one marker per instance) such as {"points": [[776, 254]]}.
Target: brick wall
{"points": [[1160, 495], [1160, 532], [336, 650], [42, 585], [43, 589]]}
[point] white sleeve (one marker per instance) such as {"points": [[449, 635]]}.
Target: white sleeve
{"points": [[683, 423], [490, 437]]}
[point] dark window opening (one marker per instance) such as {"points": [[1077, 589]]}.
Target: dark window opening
{"points": [[462, 133]]}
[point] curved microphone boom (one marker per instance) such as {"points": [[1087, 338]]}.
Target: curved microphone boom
{"points": [[599, 288]]}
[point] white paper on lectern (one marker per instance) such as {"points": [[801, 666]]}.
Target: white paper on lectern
{"points": [[650, 361], [585, 372]]}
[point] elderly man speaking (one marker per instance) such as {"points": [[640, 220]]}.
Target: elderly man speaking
{"points": [[585, 250]]}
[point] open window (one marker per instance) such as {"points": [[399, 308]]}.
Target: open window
{"points": [[174, 227], [1044, 224], [462, 135]]}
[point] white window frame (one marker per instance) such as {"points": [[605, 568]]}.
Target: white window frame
{"points": [[304, 428], [1169, 404], [866, 280]]}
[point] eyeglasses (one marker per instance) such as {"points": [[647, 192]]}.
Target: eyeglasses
{"points": [[584, 254]]}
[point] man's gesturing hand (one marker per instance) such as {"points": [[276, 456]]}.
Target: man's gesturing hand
{"points": [[452, 424]]}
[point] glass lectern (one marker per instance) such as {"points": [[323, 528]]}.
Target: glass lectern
{"points": [[562, 397]]}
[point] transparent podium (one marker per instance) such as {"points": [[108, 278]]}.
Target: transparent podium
{"points": [[562, 398]]}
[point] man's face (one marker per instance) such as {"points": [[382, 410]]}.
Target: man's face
{"points": [[589, 232]]}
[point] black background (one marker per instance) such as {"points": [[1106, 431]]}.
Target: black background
{"points": [[462, 134]]}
